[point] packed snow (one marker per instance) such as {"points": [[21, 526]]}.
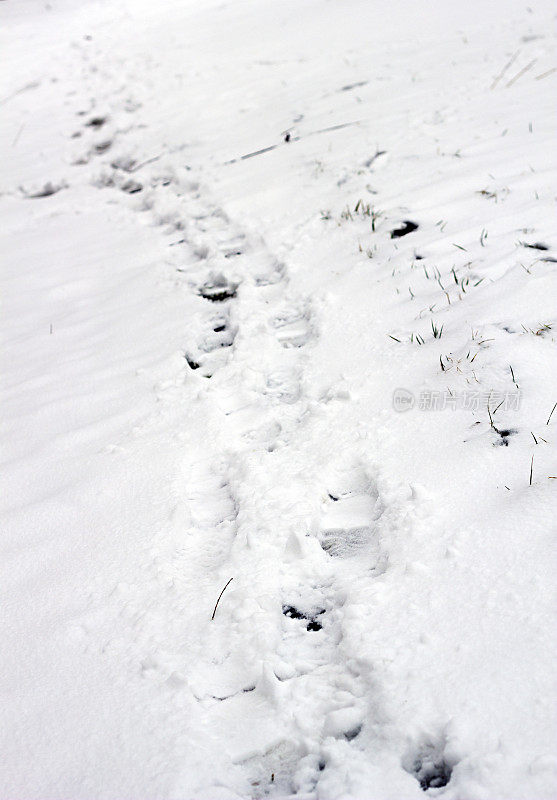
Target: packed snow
{"points": [[278, 394]]}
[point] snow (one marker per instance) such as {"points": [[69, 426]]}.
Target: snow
{"points": [[220, 363]]}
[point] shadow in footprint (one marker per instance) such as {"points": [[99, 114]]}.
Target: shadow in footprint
{"points": [[131, 187], [536, 246], [46, 191], [191, 362], [217, 289], [102, 147], [428, 764]]}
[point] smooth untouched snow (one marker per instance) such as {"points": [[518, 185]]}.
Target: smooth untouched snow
{"points": [[278, 307]]}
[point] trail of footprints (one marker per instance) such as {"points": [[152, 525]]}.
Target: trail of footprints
{"points": [[216, 259]]}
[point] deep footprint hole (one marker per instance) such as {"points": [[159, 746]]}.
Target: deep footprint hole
{"points": [[191, 362], [429, 765], [536, 246], [407, 227], [218, 294], [96, 122], [294, 613], [434, 776], [504, 436]]}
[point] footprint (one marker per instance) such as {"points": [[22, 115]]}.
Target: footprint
{"points": [[273, 274], [351, 509], [209, 498], [284, 385], [217, 288], [428, 763], [210, 351], [222, 335], [293, 327]]}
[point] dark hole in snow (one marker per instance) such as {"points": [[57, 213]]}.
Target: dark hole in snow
{"points": [[102, 147], [96, 122], [351, 734], [434, 776], [321, 766], [293, 613], [504, 434], [218, 295], [233, 253], [333, 498], [131, 187], [407, 227], [191, 363], [351, 86], [219, 328], [536, 246], [429, 765], [417, 257]]}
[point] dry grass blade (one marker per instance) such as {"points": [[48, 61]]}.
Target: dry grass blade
{"points": [[219, 597]]}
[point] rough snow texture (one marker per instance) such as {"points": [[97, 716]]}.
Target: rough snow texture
{"points": [[200, 351]]}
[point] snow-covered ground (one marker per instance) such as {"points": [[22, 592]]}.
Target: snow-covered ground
{"points": [[230, 356]]}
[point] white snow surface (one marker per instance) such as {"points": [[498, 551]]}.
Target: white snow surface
{"points": [[199, 355]]}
